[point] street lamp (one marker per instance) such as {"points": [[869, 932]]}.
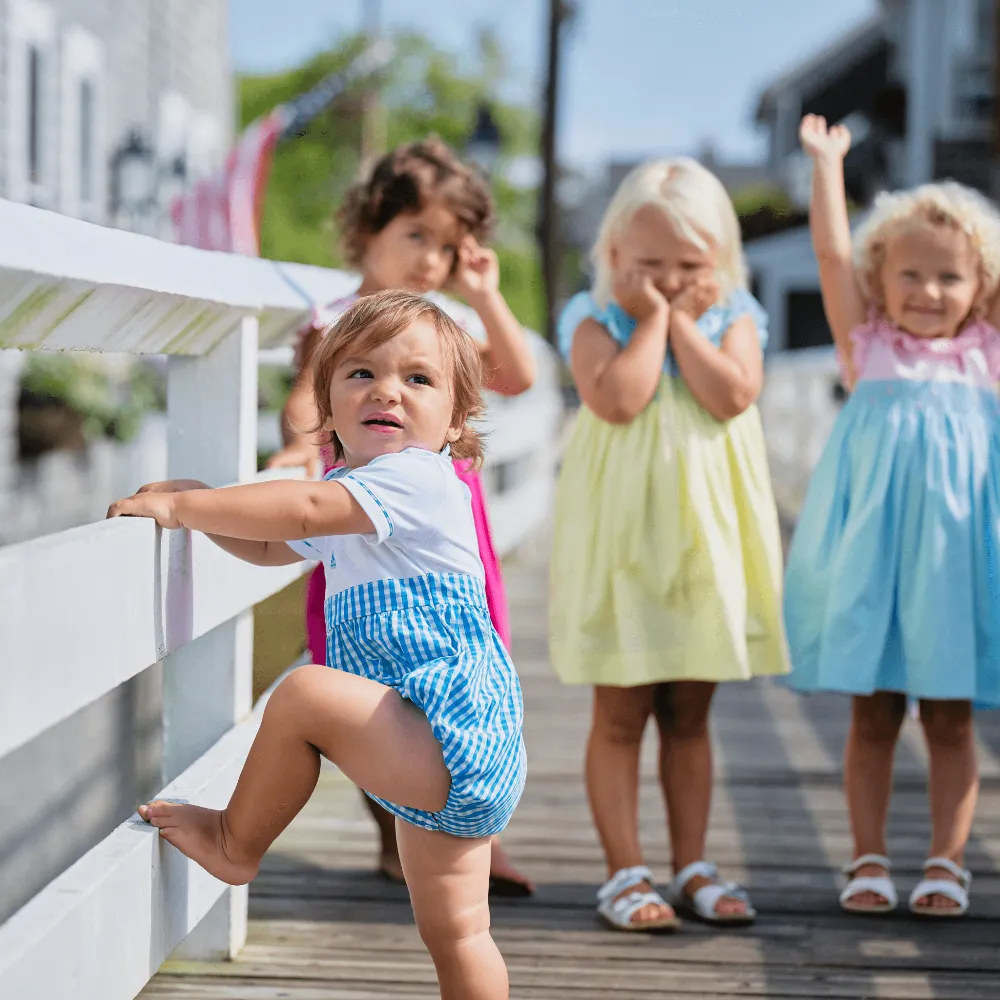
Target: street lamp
{"points": [[133, 177], [483, 147]]}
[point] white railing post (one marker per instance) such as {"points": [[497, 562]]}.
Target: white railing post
{"points": [[207, 684]]}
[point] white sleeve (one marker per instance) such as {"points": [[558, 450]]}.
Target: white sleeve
{"points": [[313, 549], [403, 494]]}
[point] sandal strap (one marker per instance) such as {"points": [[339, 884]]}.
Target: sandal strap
{"points": [[880, 885], [962, 875], [622, 880], [624, 908], [705, 869], [707, 898], [867, 859], [939, 887]]}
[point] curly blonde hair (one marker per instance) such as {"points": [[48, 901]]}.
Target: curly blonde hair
{"points": [[946, 203], [375, 320]]}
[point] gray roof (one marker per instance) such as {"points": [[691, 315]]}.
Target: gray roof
{"points": [[835, 60]]}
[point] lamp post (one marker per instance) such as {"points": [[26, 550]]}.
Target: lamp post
{"points": [[560, 13], [484, 145], [133, 181]]}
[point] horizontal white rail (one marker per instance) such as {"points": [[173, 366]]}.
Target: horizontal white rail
{"points": [[84, 610], [67, 284], [101, 929]]}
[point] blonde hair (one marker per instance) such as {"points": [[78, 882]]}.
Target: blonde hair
{"points": [[374, 320], [697, 206], [942, 204]]}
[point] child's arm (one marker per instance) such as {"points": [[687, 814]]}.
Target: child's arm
{"points": [[509, 366], [724, 380], [256, 552], [831, 232], [298, 416], [618, 383], [263, 513]]}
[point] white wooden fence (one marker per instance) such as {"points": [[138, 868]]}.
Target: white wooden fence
{"points": [[84, 610]]}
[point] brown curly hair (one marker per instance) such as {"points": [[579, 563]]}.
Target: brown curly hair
{"points": [[406, 180], [374, 320]]}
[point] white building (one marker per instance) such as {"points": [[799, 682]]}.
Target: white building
{"points": [[109, 106], [915, 86]]}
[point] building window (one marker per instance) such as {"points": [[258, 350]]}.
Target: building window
{"points": [[82, 131], [30, 92], [86, 141], [34, 114]]}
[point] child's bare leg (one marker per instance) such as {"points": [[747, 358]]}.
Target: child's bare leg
{"points": [[388, 858], [681, 710], [505, 879], [379, 740], [868, 755], [953, 785], [448, 878], [619, 720]]}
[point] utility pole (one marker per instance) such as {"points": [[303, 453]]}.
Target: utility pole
{"points": [[548, 227], [373, 126]]}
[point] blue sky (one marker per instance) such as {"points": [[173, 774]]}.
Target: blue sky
{"points": [[641, 76]]}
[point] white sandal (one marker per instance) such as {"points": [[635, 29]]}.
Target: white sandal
{"points": [[881, 885], [618, 910], [703, 902], [957, 891]]}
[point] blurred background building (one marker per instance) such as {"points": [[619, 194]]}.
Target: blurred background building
{"points": [[111, 106], [915, 85]]}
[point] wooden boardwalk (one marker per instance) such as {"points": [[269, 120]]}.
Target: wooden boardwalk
{"points": [[323, 927]]}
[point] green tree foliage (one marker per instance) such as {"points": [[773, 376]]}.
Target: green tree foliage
{"points": [[425, 90]]}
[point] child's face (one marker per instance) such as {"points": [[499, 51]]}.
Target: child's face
{"points": [[930, 280], [416, 252], [650, 243], [394, 396]]}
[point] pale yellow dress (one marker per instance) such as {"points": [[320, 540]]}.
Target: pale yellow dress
{"points": [[667, 560]]}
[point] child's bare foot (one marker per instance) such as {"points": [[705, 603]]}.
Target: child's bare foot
{"points": [[505, 879], [390, 867], [200, 834]]}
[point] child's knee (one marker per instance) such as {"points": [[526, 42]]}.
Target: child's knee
{"points": [[878, 718], [622, 722], [444, 929], [297, 689], [946, 723], [682, 710]]}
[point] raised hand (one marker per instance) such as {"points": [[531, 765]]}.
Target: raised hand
{"points": [[820, 141], [637, 295], [477, 272]]}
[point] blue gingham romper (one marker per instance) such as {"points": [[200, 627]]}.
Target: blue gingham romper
{"points": [[429, 636]]}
